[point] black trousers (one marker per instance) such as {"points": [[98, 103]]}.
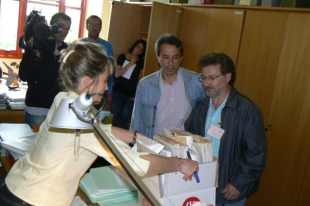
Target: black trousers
{"points": [[9, 199]]}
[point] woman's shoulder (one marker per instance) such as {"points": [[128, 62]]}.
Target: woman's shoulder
{"points": [[65, 95], [121, 57]]}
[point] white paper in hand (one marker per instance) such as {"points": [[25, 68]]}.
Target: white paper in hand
{"points": [[129, 71]]}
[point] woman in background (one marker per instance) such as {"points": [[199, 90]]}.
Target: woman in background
{"points": [[124, 88], [50, 172]]}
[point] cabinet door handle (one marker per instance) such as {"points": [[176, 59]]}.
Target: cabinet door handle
{"points": [[266, 129]]}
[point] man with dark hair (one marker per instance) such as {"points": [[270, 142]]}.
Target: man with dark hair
{"points": [[165, 98], [58, 15], [40, 70], [235, 126], [93, 26]]}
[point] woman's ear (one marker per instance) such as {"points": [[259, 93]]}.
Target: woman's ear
{"points": [[85, 83], [88, 81]]}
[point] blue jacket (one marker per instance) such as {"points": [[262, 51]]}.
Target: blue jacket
{"points": [[148, 95], [243, 148]]}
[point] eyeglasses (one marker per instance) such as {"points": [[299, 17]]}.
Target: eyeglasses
{"points": [[66, 29], [63, 28], [94, 25], [211, 78]]}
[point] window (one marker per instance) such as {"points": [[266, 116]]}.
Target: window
{"points": [[9, 28], [13, 17]]}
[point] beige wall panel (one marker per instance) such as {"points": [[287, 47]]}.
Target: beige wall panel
{"points": [[125, 25], [105, 17], [164, 19], [194, 29], [288, 138], [259, 56]]}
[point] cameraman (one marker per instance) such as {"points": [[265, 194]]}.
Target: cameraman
{"points": [[40, 70]]}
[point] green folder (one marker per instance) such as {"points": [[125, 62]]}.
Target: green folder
{"points": [[112, 198], [107, 179], [104, 186]]}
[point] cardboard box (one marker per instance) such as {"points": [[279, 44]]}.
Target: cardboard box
{"points": [[204, 195], [171, 189]]}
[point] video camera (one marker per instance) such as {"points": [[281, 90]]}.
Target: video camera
{"points": [[37, 27]]}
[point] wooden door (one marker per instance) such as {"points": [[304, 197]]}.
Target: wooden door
{"points": [[285, 180], [304, 198], [194, 29], [207, 30], [125, 26], [164, 19], [259, 56], [225, 31]]}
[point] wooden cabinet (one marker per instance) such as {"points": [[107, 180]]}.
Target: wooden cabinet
{"points": [[285, 180], [128, 23], [205, 30], [200, 29], [259, 56]]}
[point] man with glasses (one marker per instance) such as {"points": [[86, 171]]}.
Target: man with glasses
{"points": [[40, 70], [93, 26], [165, 98], [235, 126]]}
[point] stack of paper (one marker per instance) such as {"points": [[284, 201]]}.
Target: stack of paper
{"points": [[16, 100], [12, 131], [19, 146], [3, 104], [16, 105], [105, 186], [16, 138]]}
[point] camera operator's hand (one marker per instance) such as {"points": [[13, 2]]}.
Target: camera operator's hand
{"points": [[56, 52], [36, 51]]}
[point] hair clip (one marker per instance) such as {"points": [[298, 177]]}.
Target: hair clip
{"points": [[67, 56]]}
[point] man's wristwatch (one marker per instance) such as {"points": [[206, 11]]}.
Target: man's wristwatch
{"points": [[134, 138]]}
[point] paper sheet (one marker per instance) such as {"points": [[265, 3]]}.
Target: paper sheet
{"points": [[129, 71]]}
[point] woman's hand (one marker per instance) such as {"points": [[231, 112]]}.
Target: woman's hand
{"points": [[119, 71], [188, 168], [134, 59]]}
